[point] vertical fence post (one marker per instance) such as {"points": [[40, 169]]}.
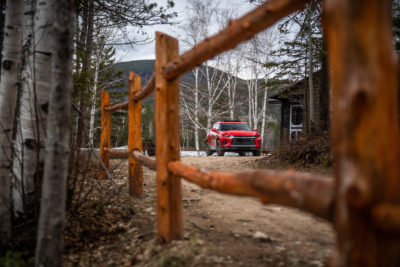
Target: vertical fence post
{"points": [[169, 206], [134, 136], [105, 132], [365, 135]]}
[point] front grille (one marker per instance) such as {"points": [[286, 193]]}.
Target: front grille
{"points": [[243, 140]]}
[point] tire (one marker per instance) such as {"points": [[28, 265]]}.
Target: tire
{"points": [[220, 150], [242, 154], [257, 153], [209, 152]]}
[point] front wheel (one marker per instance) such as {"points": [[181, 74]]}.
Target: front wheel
{"points": [[208, 150], [257, 153], [220, 150]]}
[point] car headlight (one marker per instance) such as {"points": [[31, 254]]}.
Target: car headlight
{"points": [[229, 136]]}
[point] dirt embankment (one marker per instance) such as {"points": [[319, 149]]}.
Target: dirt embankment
{"points": [[219, 230]]}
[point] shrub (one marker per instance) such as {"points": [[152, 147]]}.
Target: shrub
{"points": [[312, 150]]}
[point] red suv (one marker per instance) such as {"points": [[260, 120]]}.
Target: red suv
{"points": [[233, 136]]}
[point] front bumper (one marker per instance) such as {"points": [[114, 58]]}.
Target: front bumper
{"points": [[238, 148], [241, 143]]}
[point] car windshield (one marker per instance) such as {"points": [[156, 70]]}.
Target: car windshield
{"points": [[235, 126]]}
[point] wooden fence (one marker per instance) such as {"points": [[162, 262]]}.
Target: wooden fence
{"points": [[362, 201]]}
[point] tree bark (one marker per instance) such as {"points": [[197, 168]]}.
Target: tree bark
{"points": [[8, 97], [310, 72], [196, 110], [264, 111], [98, 61], [2, 29], [26, 90], [49, 248], [32, 116], [87, 35], [365, 133]]}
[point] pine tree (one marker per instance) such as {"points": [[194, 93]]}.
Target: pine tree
{"points": [[293, 57], [111, 16], [396, 24], [301, 55]]}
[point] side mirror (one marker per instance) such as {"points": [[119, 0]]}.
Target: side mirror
{"points": [[255, 129], [214, 129]]}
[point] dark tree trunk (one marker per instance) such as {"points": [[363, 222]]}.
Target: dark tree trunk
{"points": [[2, 27], [49, 248], [324, 91], [87, 35], [8, 95]]}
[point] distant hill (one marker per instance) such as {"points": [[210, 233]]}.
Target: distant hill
{"points": [[145, 69]]}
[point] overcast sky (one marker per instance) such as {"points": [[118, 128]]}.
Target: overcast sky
{"points": [[148, 51]]}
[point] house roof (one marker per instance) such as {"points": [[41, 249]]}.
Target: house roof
{"points": [[293, 90]]}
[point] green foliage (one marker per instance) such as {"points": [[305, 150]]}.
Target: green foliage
{"points": [[119, 127], [172, 261], [396, 24], [148, 125], [276, 127], [15, 259]]}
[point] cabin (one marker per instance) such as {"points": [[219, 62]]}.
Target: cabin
{"points": [[295, 107]]}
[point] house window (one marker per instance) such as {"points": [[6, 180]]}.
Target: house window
{"points": [[297, 115], [296, 122]]}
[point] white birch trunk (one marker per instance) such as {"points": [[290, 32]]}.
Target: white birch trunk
{"points": [[209, 100], [209, 113], [33, 111], [196, 110], [151, 130], [264, 110], [49, 249], [231, 102], [255, 107], [8, 97], [249, 87], [26, 81], [98, 60], [232, 96]]}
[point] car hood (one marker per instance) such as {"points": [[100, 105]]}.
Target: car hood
{"points": [[239, 133]]}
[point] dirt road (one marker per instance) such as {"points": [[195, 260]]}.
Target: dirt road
{"points": [[219, 230]]}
